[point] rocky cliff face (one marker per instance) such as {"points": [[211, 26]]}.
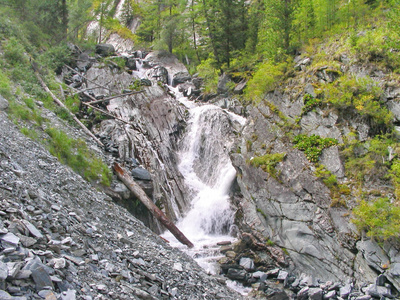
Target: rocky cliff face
{"points": [[294, 209]]}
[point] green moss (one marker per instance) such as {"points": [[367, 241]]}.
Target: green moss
{"points": [[268, 163], [313, 145]]}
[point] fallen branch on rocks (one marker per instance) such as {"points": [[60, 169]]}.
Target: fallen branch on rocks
{"points": [[113, 97], [56, 100], [95, 83], [104, 112], [123, 175]]}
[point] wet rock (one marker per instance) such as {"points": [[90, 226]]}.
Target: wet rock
{"points": [[130, 63], [180, 77], [236, 274], [247, 263], [105, 49], [159, 73], [141, 174]]}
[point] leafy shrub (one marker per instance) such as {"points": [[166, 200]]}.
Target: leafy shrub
{"points": [[310, 103], [265, 80], [313, 145], [75, 154], [268, 163], [380, 218], [207, 71], [5, 85]]}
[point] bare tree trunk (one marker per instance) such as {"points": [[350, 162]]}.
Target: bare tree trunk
{"points": [[56, 100], [155, 211]]}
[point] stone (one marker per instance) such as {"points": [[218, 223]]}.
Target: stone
{"points": [[5, 296], [309, 89], [3, 271], [380, 280], [330, 294], [247, 263], [32, 229], [378, 291], [130, 63], [222, 86], [277, 295], [236, 274], [41, 278], [239, 88], [303, 293], [180, 77], [3, 103], [105, 49], [345, 290], [178, 267], [141, 174], [364, 297], [47, 295], [10, 238], [27, 241], [68, 295], [282, 275], [159, 73], [315, 293]]}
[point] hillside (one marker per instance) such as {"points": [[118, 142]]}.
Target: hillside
{"points": [[275, 148]]}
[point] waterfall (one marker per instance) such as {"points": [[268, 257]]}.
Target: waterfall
{"points": [[209, 174]]}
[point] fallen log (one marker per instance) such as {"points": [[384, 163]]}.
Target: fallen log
{"points": [[155, 211], [56, 100], [92, 81], [116, 96], [105, 112]]}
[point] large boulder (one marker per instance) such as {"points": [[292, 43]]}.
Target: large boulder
{"points": [[180, 77], [105, 49], [158, 73]]}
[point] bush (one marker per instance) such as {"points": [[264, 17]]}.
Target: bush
{"points": [[313, 145], [265, 80], [268, 163], [380, 218], [207, 71]]}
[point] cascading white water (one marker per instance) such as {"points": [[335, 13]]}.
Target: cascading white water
{"points": [[208, 172]]}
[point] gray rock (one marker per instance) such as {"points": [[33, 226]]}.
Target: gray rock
{"points": [[223, 81], [159, 73], [180, 77], [3, 271], [236, 274], [141, 174], [315, 294], [239, 88], [130, 63], [282, 275], [3, 103], [83, 63], [10, 238], [48, 295], [330, 294], [68, 295], [5, 296], [303, 293], [380, 280], [32, 229], [309, 89], [345, 291], [178, 267], [41, 278], [105, 49], [247, 263], [378, 291]]}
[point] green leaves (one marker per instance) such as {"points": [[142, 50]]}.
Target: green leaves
{"points": [[379, 218], [313, 145], [268, 163]]}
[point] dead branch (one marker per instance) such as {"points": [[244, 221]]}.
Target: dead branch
{"points": [[123, 175], [56, 100]]}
